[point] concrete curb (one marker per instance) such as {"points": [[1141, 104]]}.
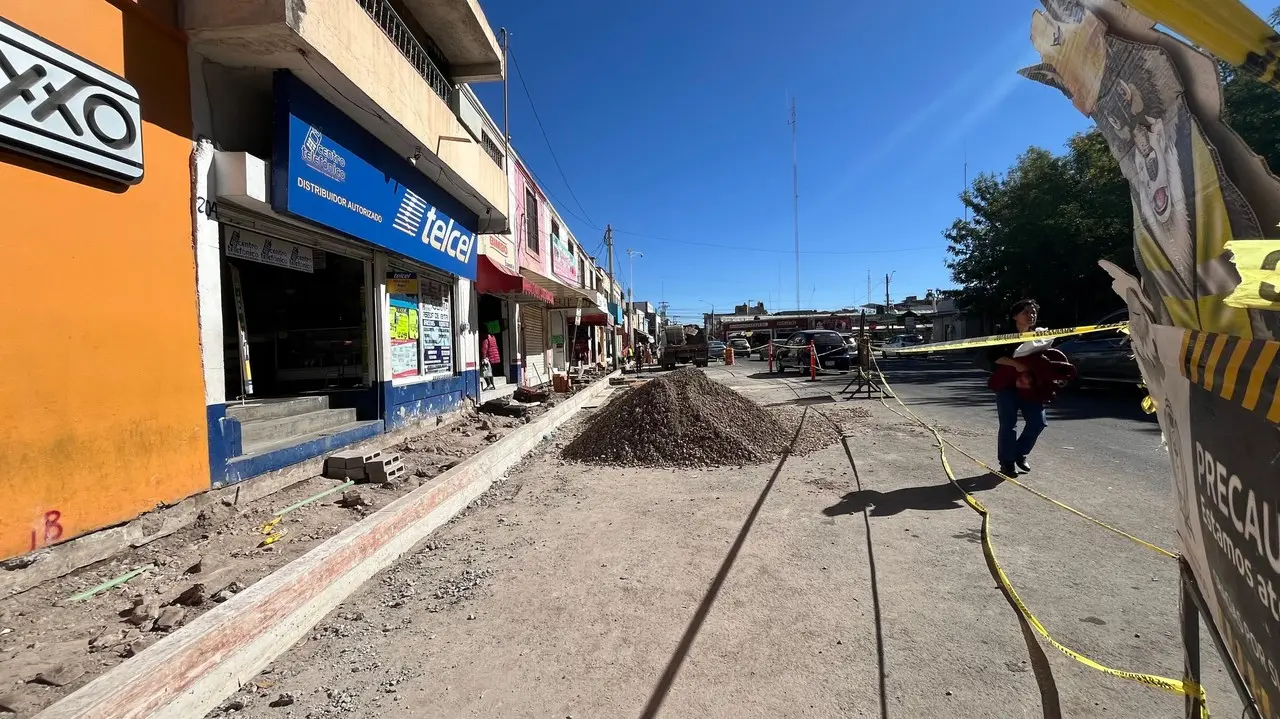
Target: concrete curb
{"points": [[190, 672], [62, 559]]}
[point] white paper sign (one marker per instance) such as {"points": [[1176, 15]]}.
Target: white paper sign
{"points": [[246, 245]]}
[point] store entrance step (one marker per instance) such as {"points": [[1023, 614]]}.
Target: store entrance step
{"points": [[258, 409], [501, 389], [268, 431], [266, 456]]}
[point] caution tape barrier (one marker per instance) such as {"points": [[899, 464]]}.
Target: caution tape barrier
{"points": [[1008, 339], [1176, 686]]}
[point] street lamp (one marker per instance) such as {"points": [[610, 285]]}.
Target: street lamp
{"points": [[710, 323], [631, 270]]}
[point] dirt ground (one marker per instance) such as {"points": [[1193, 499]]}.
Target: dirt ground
{"points": [[49, 647], [805, 588]]}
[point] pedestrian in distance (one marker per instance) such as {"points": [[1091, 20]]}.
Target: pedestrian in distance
{"points": [[1009, 369], [489, 358]]}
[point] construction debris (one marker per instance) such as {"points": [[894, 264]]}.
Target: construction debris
{"points": [[685, 419]]}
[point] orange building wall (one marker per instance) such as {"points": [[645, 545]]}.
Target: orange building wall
{"points": [[102, 412]]}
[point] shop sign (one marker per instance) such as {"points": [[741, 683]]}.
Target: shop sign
{"points": [[329, 170], [500, 251], [58, 106], [246, 245], [562, 264]]}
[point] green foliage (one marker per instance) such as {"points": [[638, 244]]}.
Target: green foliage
{"points": [[1039, 232]]}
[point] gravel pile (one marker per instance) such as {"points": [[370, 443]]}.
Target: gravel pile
{"points": [[685, 419]]}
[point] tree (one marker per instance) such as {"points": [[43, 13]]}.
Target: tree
{"points": [[1039, 232]]}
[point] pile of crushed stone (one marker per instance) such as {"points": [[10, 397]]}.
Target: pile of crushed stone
{"points": [[686, 419]]}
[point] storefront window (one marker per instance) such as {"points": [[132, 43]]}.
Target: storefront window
{"points": [[420, 315]]}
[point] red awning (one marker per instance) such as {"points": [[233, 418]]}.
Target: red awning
{"points": [[491, 279], [598, 319]]}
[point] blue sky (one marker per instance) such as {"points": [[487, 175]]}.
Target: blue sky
{"points": [[669, 119]]}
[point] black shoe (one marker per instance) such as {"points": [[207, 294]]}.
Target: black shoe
{"points": [[1008, 470], [1021, 464]]}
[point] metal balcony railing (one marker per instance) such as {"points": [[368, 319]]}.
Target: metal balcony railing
{"points": [[398, 32], [493, 149]]}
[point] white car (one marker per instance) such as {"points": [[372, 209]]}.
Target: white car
{"points": [[902, 342]]}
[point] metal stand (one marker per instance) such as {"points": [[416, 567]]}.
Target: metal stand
{"points": [[1193, 606], [862, 374]]}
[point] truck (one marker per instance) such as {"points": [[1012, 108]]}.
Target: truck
{"points": [[682, 344]]}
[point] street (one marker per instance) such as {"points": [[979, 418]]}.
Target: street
{"points": [[815, 586]]}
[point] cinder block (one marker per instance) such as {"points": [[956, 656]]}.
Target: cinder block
{"points": [[385, 460], [385, 472], [356, 458]]}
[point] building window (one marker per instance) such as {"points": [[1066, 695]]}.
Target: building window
{"points": [[420, 317], [555, 228], [582, 269], [531, 220]]}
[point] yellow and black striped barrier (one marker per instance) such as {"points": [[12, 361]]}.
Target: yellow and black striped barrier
{"points": [[1214, 362]]}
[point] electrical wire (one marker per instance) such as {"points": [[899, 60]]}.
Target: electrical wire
{"points": [[547, 139], [767, 249]]}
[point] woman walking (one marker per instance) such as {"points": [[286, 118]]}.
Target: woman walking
{"points": [[1009, 366]]}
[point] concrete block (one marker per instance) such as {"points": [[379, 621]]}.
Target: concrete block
{"points": [[385, 472], [350, 464]]}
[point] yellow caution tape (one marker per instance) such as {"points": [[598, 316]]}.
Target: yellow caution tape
{"points": [[1176, 686], [1008, 339], [273, 537], [1258, 262], [270, 525]]}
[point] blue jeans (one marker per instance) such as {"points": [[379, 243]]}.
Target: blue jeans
{"points": [[1010, 446]]}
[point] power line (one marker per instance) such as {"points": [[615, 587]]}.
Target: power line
{"points": [[767, 249], [547, 139]]}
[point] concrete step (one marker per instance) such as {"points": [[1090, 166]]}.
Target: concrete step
{"points": [[283, 428], [259, 409], [355, 429]]}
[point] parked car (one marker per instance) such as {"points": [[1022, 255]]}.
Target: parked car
{"points": [[833, 353], [715, 350], [902, 342], [1103, 357], [741, 348]]}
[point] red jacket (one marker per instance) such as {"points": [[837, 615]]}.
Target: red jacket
{"points": [[489, 350], [1047, 372]]}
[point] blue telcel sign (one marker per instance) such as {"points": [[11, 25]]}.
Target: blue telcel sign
{"points": [[329, 170]]}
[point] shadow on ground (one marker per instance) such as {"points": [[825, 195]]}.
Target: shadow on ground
{"points": [[928, 499]]}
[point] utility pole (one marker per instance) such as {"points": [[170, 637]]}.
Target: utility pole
{"points": [[506, 113], [888, 305], [868, 300], [608, 242], [795, 195]]}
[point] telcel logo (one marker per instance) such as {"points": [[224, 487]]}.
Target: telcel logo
{"points": [[65, 109]]}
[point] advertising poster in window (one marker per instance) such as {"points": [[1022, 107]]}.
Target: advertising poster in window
{"points": [[562, 264], [437, 327], [403, 314]]}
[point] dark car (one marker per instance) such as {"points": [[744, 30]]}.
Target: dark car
{"points": [[1104, 357], [833, 353], [715, 350]]}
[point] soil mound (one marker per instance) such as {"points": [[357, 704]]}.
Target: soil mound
{"points": [[681, 419]]}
